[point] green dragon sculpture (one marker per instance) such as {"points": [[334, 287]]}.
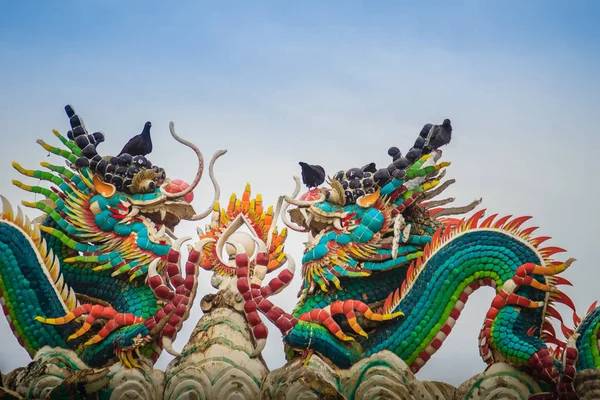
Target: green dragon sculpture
{"points": [[99, 271], [386, 267]]}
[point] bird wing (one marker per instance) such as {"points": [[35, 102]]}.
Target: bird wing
{"points": [[131, 145], [312, 175], [431, 134]]}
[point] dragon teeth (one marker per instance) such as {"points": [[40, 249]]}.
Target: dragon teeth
{"points": [[337, 223]]}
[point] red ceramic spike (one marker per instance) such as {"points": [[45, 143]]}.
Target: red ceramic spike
{"points": [[474, 220], [549, 328], [557, 342], [553, 312], [436, 237], [487, 223], [566, 331], [517, 222], [410, 271], [500, 223], [451, 222], [548, 252], [530, 230], [562, 281], [576, 319], [539, 240], [592, 307]]}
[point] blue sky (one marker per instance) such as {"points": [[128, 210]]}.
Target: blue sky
{"points": [[334, 83]]}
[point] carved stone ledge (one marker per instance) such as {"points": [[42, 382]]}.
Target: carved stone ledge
{"points": [[381, 376], [58, 373], [499, 381]]}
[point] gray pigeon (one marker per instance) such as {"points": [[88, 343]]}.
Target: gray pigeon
{"points": [[438, 136], [312, 175], [139, 145]]}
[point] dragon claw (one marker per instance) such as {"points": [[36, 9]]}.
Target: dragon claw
{"points": [[347, 308], [84, 328], [127, 358], [306, 355], [94, 312]]}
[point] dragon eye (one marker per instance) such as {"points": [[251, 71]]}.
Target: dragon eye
{"points": [[147, 186]]}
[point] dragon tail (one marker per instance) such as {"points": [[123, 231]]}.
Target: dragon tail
{"points": [[31, 283]]}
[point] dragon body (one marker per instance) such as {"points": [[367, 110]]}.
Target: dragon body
{"points": [[99, 271], [390, 269]]}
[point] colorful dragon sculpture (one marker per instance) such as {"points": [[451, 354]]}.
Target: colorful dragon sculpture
{"points": [[99, 272], [387, 268]]}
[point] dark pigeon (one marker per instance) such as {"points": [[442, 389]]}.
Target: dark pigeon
{"points": [[438, 135], [139, 145], [312, 175]]}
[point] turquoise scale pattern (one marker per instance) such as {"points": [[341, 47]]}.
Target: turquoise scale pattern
{"points": [[372, 289], [467, 258], [472, 256], [124, 296], [28, 293], [586, 343]]}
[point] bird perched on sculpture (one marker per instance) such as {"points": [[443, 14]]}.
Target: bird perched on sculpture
{"points": [[437, 135], [139, 145], [312, 175]]}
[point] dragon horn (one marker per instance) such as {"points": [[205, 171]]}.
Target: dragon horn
{"points": [[303, 203], [197, 217], [283, 212], [292, 200], [200, 165]]}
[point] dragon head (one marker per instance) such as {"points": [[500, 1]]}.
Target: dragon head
{"points": [[365, 221], [111, 219]]}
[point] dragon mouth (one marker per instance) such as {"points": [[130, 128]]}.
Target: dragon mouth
{"points": [[167, 214], [316, 221]]}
